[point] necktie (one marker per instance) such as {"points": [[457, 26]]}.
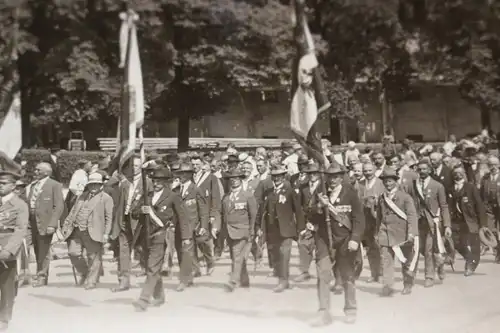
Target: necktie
{"points": [[35, 194]]}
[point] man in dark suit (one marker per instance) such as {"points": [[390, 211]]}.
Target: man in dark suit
{"points": [[208, 185], [127, 207], [46, 205], [468, 216], [441, 172], [14, 217], [347, 228], [198, 215], [431, 203], [282, 219], [165, 210], [406, 176], [308, 199], [239, 211], [299, 179]]}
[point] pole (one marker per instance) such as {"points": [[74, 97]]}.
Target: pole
{"points": [[145, 200]]}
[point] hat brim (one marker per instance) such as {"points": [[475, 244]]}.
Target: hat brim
{"points": [[340, 172], [234, 176], [312, 171], [278, 173], [382, 177], [487, 238], [95, 182], [185, 171]]}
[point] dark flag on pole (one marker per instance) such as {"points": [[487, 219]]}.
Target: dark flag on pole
{"points": [[309, 98]]}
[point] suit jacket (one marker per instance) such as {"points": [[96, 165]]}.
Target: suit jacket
{"points": [[262, 189], [490, 193], [407, 177], [348, 225], [283, 210], [252, 185], [196, 207], [14, 215], [445, 178], [170, 209], [467, 209], [392, 229], [208, 184], [239, 215], [120, 198], [99, 220], [434, 197], [49, 205], [308, 200]]}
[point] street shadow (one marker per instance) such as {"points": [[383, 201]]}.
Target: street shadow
{"points": [[302, 316], [124, 301], [374, 289], [63, 266], [233, 311], [62, 301], [71, 284]]}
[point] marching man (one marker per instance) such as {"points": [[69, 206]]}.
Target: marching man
{"points": [[14, 218], [397, 232], [347, 228]]}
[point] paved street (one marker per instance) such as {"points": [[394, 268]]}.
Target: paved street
{"points": [[461, 305]]}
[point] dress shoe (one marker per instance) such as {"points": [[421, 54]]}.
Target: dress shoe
{"points": [[337, 289], [197, 274], [81, 280], [406, 290], [428, 283], [4, 326], [350, 318], [40, 282], [303, 277], [182, 286], [372, 279], [229, 287], [324, 318], [124, 286], [90, 286], [468, 271], [166, 273], [387, 291], [157, 302], [140, 305], [281, 287]]}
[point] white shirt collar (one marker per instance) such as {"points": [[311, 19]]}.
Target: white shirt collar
{"points": [[439, 169], [426, 182], [264, 175]]}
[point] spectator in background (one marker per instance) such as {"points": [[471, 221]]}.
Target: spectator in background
{"points": [[407, 151], [260, 152], [450, 145], [290, 157], [351, 154], [388, 147]]}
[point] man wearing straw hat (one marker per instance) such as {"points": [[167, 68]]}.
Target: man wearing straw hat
{"points": [[347, 227], [14, 219], [87, 227], [397, 232]]}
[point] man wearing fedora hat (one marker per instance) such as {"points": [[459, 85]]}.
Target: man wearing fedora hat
{"points": [[198, 215], [347, 227], [87, 227], [282, 220], [239, 211], [14, 219], [165, 211], [397, 230], [299, 179], [469, 216], [308, 193]]}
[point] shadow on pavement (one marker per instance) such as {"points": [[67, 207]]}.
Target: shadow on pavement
{"points": [[124, 301], [62, 301]]}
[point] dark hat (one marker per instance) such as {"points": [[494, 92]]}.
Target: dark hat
{"points": [[233, 159], [389, 173], [278, 170], [302, 160], [286, 145], [487, 237], [186, 167], [311, 168], [175, 166], [335, 169], [161, 173], [234, 173], [10, 173]]}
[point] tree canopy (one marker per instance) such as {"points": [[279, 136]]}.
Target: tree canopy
{"points": [[195, 52]]}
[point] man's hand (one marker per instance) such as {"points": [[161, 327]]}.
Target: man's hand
{"points": [[303, 232], [145, 209], [214, 233], [352, 245], [186, 241], [202, 231], [411, 237], [323, 199], [310, 226], [5, 255], [447, 232], [51, 230], [259, 232]]}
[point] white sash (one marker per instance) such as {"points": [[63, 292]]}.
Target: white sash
{"points": [[439, 237], [155, 218], [395, 208], [202, 178]]}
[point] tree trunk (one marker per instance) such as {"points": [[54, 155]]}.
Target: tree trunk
{"points": [[183, 132]]}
